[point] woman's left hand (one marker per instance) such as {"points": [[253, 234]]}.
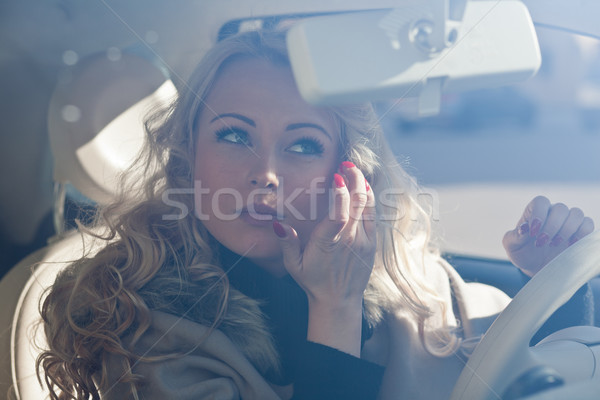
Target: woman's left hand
{"points": [[543, 232]]}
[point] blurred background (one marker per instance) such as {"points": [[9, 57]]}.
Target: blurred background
{"points": [[489, 152]]}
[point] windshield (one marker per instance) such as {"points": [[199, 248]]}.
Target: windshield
{"points": [[490, 151]]}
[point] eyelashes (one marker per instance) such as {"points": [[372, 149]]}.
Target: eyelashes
{"points": [[233, 135], [306, 145]]}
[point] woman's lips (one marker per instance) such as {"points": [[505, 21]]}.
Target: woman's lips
{"points": [[259, 215]]}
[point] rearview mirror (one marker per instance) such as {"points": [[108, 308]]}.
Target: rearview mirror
{"points": [[374, 55]]}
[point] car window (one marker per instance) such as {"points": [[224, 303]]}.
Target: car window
{"points": [[491, 151]]}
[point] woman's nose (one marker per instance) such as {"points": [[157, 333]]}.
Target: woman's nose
{"points": [[264, 174]]}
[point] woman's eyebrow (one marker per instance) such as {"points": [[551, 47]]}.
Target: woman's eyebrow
{"points": [[308, 125], [234, 115]]}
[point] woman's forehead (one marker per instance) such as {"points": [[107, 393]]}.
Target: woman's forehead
{"points": [[249, 76], [256, 85]]}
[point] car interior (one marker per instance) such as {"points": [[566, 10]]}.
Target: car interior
{"points": [[424, 49]]}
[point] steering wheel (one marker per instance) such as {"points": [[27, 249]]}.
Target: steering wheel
{"points": [[504, 354]]}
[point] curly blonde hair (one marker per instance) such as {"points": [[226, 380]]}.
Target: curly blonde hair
{"points": [[153, 263]]}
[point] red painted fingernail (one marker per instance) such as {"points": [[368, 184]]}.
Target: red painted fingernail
{"points": [[367, 185], [542, 240], [524, 229], [339, 180], [278, 229], [556, 240], [536, 225], [346, 165]]}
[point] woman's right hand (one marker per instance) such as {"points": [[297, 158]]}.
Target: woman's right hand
{"points": [[336, 263]]}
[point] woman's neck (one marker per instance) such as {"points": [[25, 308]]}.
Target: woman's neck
{"points": [[273, 266]]}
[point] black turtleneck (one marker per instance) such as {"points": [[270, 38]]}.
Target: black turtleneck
{"points": [[317, 371]]}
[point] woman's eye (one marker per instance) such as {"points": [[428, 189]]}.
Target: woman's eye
{"points": [[307, 146], [233, 135]]}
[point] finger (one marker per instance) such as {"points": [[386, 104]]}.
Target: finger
{"points": [[586, 227], [516, 239], [529, 224], [535, 214], [369, 214], [571, 225], [358, 194], [557, 215], [289, 243], [329, 228]]}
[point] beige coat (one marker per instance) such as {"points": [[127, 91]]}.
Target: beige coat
{"points": [[216, 369]]}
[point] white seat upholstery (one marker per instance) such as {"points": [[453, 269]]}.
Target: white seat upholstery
{"points": [[95, 127], [24, 336], [95, 121]]}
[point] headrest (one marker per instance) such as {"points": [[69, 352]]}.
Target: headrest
{"points": [[95, 119]]}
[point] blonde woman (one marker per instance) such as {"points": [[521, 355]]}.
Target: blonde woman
{"points": [[278, 252]]}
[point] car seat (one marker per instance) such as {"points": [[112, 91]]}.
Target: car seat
{"points": [[95, 127]]}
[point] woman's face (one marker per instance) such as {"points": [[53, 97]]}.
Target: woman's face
{"points": [[262, 153]]}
